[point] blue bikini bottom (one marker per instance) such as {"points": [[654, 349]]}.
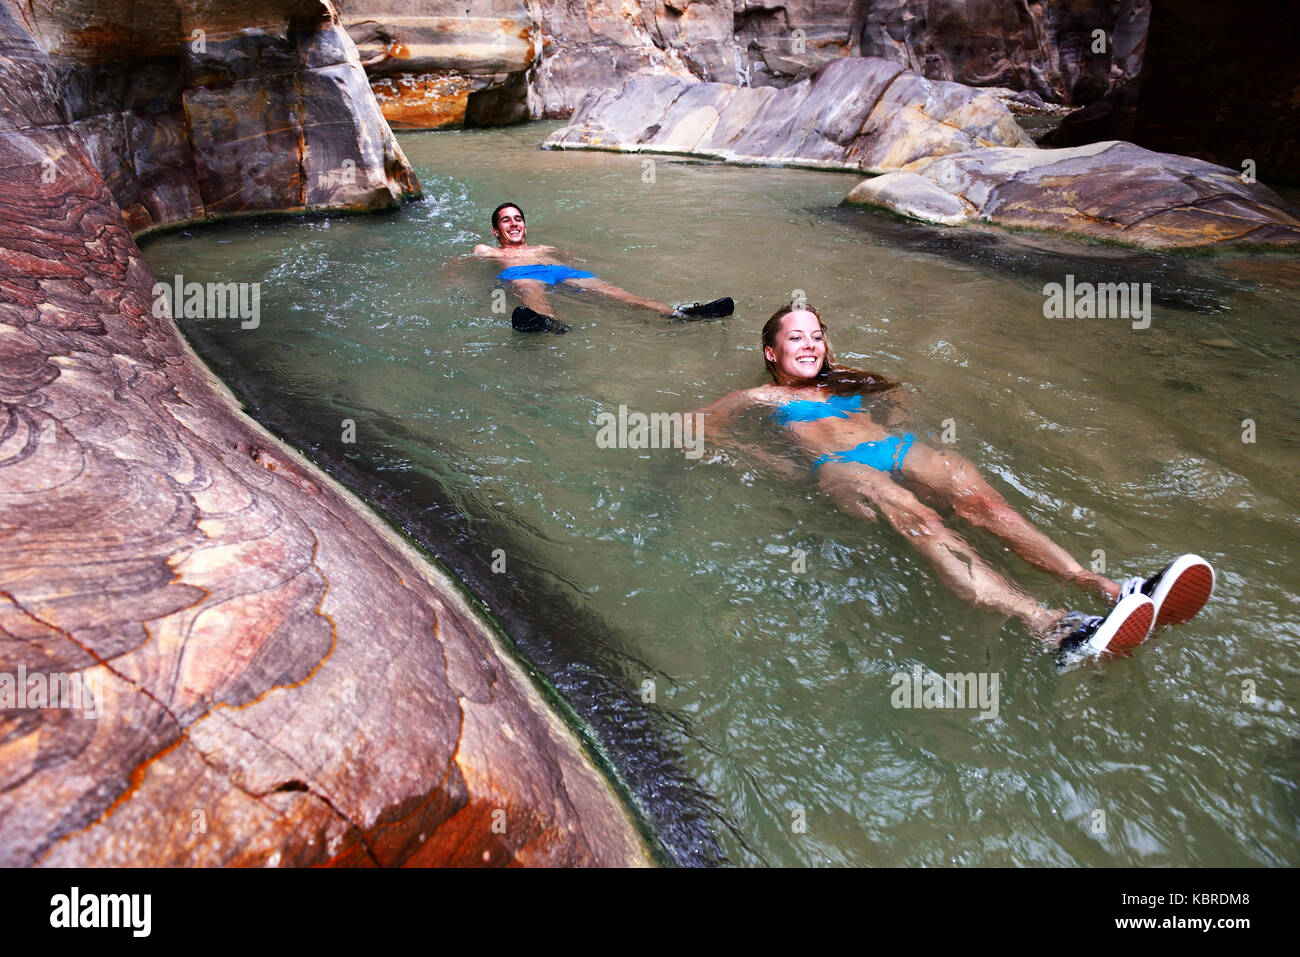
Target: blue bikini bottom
{"points": [[546, 272], [885, 456]]}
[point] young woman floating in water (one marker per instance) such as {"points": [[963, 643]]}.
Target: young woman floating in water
{"points": [[860, 465]]}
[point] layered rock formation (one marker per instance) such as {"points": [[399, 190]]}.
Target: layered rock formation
{"points": [[953, 155], [209, 652], [861, 113], [1113, 191], [780, 42], [591, 45], [435, 64], [1215, 82], [158, 90], [542, 57], [1048, 48], [440, 63]]}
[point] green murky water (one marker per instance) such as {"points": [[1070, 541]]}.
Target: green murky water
{"points": [[633, 575]]}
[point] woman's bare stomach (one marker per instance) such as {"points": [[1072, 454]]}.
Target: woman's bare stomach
{"points": [[826, 436]]}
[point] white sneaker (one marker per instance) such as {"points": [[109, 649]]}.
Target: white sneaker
{"points": [[1179, 590], [1127, 625]]}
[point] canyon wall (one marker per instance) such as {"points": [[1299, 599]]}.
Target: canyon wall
{"points": [[211, 653], [540, 58], [1215, 82], [438, 63], [195, 110]]}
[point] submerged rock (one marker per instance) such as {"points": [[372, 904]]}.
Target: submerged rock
{"points": [[860, 113], [1112, 191]]}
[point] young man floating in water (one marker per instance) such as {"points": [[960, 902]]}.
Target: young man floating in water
{"points": [[531, 269], [860, 466]]}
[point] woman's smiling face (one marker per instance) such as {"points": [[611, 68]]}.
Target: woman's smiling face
{"points": [[800, 349]]}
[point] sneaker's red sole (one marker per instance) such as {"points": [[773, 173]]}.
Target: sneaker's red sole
{"points": [[1134, 630], [1187, 596]]}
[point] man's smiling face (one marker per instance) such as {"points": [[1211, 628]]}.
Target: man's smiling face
{"points": [[510, 229]]}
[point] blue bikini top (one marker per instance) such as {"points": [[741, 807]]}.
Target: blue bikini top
{"points": [[810, 410]]}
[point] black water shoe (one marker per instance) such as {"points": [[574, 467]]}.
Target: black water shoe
{"points": [[526, 320], [708, 310]]}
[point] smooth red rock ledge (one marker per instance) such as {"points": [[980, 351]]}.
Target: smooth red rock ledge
{"points": [[284, 680]]}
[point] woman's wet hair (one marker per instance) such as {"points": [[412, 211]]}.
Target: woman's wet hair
{"points": [[836, 378], [496, 213]]}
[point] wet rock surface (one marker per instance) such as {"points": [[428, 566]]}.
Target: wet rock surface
{"points": [[951, 155], [1114, 191], [1121, 64]]}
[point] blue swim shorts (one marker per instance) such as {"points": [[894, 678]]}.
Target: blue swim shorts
{"points": [[545, 272], [886, 455]]}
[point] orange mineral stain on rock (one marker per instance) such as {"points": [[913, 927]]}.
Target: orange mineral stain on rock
{"points": [[423, 102]]}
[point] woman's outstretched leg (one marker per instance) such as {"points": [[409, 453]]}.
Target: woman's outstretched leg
{"points": [[955, 479], [865, 492]]}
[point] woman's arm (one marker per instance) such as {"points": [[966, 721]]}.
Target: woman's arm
{"points": [[717, 414], [718, 419], [894, 409]]}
